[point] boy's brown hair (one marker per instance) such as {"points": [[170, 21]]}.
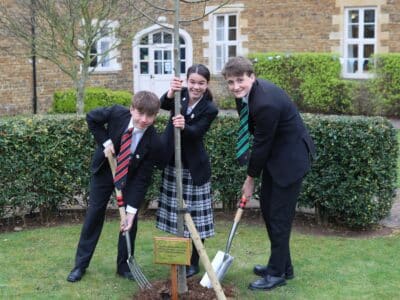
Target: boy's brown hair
{"points": [[146, 102], [237, 66]]}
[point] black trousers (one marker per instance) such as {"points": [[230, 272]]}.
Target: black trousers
{"points": [[278, 207], [101, 188]]}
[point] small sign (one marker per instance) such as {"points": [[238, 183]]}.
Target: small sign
{"points": [[167, 67], [172, 250]]}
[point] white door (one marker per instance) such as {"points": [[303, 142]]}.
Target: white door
{"points": [[154, 61]]}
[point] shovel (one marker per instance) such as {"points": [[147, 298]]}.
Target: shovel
{"points": [[135, 269], [223, 260]]}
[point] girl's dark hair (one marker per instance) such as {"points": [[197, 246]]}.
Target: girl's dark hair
{"points": [[202, 70]]}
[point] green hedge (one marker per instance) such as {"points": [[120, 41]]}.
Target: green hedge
{"points": [[65, 101], [385, 86], [45, 162], [311, 79], [354, 177]]}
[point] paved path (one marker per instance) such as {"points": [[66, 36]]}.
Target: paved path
{"points": [[393, 219]]}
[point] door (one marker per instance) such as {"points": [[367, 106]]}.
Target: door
{"points": [[154, 67]]}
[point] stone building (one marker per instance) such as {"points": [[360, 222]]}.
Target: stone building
{"points": [[352, 29]]}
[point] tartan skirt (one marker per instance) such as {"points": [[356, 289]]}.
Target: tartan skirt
{"points": [[197, 198]]}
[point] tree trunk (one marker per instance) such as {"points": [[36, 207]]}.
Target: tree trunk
{"points": [[182, 282], [80, 91]]}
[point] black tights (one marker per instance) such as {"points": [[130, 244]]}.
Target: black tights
{"points": [[194, 259]]}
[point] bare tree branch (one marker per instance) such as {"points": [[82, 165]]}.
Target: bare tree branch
{"points": [[67, 31], [205, 14]]}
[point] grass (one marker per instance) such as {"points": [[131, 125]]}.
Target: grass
{"points": [[34, 264]]}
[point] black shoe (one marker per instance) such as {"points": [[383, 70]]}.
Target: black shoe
{"points": [[192, 270], [262, 271], [126, 275], [76, 274], [267, 283]]}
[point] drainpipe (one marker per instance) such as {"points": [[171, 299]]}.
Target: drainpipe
{"points": [[34, 82]]}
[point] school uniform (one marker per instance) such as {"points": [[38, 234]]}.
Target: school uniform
{"points": [[110, 124], [196, 166], [281, 153]]}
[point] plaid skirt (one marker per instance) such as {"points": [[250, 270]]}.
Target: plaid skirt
{"points": [[197, 198]]}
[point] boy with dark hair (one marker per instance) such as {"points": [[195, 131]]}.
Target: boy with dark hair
{"points": [[130, 135], [281, 151]]}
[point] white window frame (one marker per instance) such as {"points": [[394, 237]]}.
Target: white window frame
{"points": [[225, 43], [360, 42], [113, 56]]}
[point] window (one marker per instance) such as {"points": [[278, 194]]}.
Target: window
{"points": [[226, 39], [105, 51], [156, 51], [359, 42]]}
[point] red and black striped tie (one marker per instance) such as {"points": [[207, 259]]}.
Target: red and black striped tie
{"points": [[123, 159]]}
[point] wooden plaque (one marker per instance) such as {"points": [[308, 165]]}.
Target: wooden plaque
{"points": [[172, 250]]}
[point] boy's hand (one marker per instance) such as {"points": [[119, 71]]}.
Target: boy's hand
{"points": [[248, 187], [127, 225], [109, 150]]}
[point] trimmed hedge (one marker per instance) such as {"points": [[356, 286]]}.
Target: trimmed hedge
{"points": [[313, 80], [45, 162], [353, 179], [385, 86], [65, 101]]}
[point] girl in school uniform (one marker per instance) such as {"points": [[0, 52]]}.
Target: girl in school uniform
{"points": [[197, 113]]}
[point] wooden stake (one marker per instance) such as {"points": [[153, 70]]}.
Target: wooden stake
{"points": [[174, 282], [204, 258]]}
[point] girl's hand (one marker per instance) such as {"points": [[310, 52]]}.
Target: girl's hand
{"points": [[175, 85], [179, 121]]}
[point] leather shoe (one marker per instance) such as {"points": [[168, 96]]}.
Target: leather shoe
{"points": [[192, 270], [76, 274], [267, 283], [262, 271], [126, 275]]}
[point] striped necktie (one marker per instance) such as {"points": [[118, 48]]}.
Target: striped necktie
{"points": [[123, 159], [243, 141]]}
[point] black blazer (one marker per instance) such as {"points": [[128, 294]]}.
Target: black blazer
{"points": [[110, 123], [194, 155], [281, 141]]}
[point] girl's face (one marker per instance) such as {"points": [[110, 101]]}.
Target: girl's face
{"points": [[197, 86]]}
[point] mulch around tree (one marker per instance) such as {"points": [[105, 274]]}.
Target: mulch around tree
{"points": [[161, 290]]}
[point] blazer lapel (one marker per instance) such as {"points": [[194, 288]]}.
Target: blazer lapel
{"points": [[184, 102], [201, 106]]}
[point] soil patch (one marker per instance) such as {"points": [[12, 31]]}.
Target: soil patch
{"points": [[162, 291]]}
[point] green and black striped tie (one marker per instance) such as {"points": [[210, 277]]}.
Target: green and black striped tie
{"points": [[243, 141]]}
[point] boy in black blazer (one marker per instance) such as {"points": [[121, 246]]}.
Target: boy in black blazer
{"points": [[108, 125], [281, 152]]}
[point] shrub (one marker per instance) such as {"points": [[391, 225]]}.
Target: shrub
{"points": [[45, 162], [65, 101], [353, 179], [312, 80], [385, 86]]}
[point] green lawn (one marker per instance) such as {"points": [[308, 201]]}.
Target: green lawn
{"points": [[34, 264]]}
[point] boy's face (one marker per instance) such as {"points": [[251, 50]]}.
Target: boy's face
{"points": [[141, 120], [240, 86]]}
